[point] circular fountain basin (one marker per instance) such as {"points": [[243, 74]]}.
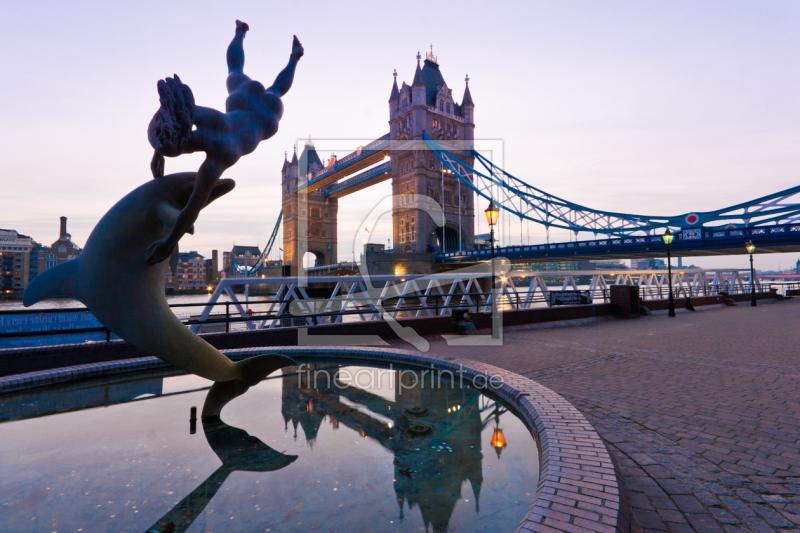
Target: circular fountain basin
{"points": [[330, 446]]}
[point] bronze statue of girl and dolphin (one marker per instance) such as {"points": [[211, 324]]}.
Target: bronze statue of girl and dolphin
{"points": [[120, 274]]}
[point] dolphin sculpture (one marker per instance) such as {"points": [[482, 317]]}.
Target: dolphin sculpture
{"points": [[112, 278]]}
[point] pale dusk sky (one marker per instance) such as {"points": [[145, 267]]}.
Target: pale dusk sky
{"points": [[644, 107]]}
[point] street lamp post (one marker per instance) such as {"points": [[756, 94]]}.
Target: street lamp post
{"points": [[750, 249], [492, 214], [668, 236]]}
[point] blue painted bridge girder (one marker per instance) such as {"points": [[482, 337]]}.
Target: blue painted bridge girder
{"points": [[360, 159], [688, 243], [360, 181]]}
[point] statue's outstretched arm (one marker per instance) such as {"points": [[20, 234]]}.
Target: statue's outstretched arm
{"points": [[207, 176], [284, 80]]}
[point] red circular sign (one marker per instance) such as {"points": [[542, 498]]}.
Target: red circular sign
{"points": [[692, 219]]}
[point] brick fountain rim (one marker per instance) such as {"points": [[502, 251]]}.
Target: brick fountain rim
{"points": [[578, 486]]}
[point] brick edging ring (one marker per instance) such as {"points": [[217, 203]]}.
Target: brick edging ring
{"points": [[578, 488]]}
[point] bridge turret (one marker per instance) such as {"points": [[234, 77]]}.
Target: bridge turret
{"points": [[394, 98], [292, 170], [418, 86], [285, 166], [468, 112]]}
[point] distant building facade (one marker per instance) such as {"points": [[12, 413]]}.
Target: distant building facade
{"points": [[550, 266], [61, 250], [609, 265], [19, 262], [192, 273], [22, 258], [648, 264]]}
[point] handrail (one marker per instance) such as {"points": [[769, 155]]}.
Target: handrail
{"points": [[438, 306]]}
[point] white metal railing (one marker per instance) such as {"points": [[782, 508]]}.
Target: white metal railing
{"points": [[376, 297]]}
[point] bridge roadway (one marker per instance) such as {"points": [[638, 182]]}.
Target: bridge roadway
{"points": [[360, 181], [687, 243], [349, 164]]}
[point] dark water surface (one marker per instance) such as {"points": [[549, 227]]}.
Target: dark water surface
{"points": [[118, 454]]}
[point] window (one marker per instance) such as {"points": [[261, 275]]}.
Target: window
{"points": [[441, 105], [447, 107], [315, 212], [435, 123]]}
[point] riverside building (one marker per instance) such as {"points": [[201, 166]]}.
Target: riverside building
{"points": [[19, 262]]}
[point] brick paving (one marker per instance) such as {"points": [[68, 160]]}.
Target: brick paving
{"points": [[701, 412]]}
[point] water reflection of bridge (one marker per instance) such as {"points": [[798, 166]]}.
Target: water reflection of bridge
{"points": [[429, 471]]}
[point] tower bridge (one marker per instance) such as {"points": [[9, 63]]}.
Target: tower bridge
{"points": [[429, 152], [311, 189]]}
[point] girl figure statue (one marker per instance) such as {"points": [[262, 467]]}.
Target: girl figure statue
{"points": [[252, 114]]}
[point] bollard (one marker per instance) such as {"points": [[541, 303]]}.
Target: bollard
{"points": [[193, 421]]}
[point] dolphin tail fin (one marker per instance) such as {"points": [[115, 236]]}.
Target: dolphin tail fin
{"points": [[58, 282], [250, 371], [254, 369]]}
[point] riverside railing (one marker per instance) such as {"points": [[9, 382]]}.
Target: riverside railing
{"points": [[347, 299]]}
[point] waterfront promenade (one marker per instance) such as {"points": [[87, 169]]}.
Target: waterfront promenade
{"points": [[701, 411]]}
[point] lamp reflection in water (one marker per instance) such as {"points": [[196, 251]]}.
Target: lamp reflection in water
{"points": [[498, 439]]}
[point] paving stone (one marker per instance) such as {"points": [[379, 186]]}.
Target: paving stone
{"points": [[771, 516], [650, 520], [737, 506], [705, 523], [671, 516], [674, 527], [748, 495], [758, 526], [673, 487], [688, 504], [723, 516]]}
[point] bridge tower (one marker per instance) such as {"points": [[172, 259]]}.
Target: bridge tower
{"points": [[428, 105], [309, 220]]}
